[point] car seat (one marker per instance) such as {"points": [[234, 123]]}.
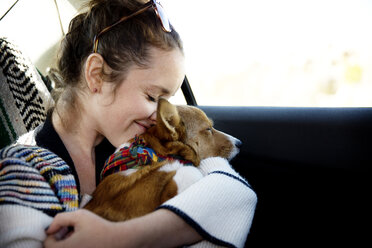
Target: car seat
{"points": [[24, 97]]}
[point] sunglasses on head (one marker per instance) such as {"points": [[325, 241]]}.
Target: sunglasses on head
{"points": [[151, 4]]}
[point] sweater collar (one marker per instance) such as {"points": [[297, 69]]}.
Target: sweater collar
{"points": [[48, 138]]}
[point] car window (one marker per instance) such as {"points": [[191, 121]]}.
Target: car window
{"points": [[277, 53], [239, 52], [37, 27]]}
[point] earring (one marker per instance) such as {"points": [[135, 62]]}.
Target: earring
{"points": [[95, 90]]}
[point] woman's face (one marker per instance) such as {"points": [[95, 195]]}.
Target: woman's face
{"points": [[133, 107]]}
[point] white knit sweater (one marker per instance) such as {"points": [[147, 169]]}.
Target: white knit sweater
{"points": [[220, 206]]}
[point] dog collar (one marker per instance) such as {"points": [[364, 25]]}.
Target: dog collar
{"points": [[134, 156]]}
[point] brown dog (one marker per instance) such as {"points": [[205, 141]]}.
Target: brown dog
{"points": [[183, 131]]}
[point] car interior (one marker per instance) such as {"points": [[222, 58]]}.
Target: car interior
{"points": [[309, 166]]}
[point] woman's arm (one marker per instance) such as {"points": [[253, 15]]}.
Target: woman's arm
{"points": [[161, 228], [220, 206]]}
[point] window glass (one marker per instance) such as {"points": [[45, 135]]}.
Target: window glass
{"points": [[240, 52], [277, 53], [37, 27]]}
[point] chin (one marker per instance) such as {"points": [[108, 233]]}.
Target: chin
{"points": [[125, 137]]}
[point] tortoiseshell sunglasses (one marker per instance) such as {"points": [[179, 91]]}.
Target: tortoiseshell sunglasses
{"points": [[151, 4]]}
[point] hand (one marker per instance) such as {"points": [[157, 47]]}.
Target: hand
{"points": [[88, 230], [161, 228]]}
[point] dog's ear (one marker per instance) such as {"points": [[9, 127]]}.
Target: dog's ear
{"points": [[168, 118]]}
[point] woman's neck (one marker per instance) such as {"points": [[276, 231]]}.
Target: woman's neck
{"points": [[80, 141]]}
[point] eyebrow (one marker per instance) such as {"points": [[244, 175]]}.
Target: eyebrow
{"points": [[159, 88]]}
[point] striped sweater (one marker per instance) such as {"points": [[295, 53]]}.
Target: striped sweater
{"points": [[35, 185]]}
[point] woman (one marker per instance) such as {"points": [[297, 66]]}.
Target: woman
{"points": [[116, 61]]}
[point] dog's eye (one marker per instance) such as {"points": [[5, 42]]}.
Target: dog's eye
{"points": [[209, 129]]}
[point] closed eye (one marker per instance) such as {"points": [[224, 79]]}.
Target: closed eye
{"points": [[151, 99]]}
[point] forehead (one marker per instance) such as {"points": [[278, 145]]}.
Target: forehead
{"points": [[163, 74]]}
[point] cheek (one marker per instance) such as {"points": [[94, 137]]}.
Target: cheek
{"points": [[113, 123], [131, 109], [145, 109], [114, 118]]}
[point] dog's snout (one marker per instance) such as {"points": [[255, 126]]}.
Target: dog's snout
{"points": [[238, 143]]}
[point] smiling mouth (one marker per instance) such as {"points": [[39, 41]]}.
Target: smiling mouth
{"points": [[145, 127]]}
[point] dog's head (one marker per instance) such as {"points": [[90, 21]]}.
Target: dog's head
{"points": [[191, 126], [204, 138]]}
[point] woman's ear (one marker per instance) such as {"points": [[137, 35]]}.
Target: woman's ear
{"points": [[93, 72]]}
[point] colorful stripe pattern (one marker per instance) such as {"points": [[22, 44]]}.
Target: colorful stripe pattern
{"points": [[37, 178], [134, 156]]}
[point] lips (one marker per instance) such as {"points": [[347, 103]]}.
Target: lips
{"points": [[144, 126]]}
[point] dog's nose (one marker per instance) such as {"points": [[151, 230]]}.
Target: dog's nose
{"points": [[238, 143]]}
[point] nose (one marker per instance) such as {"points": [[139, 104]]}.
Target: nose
{"points": [[153, 118], [238, 143]]}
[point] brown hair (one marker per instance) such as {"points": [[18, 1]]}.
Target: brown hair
{"points": [[122, 46]]}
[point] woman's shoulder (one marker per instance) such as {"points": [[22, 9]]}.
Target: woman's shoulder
{"points": [[36, 137], [29, 138]]}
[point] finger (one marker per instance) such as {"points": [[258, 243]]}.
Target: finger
{"points": [[62, 220], [63, 233], [50, 241]]}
